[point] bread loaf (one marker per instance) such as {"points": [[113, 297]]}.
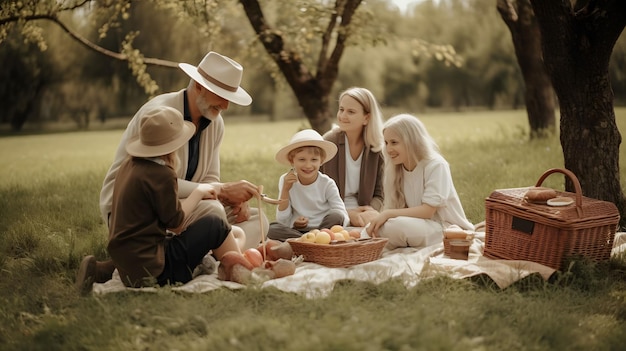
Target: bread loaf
{"points": [[540, 194]]}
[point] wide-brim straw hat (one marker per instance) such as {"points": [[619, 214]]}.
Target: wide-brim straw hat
{"points": [[220, 75], [306, 137], [162, 130]]}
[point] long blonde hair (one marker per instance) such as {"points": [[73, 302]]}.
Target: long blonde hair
{"points": [[419, 146], [171, 160], [372, 132]]}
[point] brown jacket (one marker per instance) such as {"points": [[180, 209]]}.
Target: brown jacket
{"points": [[372, 171], [145, 203]]}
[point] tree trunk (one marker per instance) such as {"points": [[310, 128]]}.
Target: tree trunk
{"points": [[311, 91], [539, 95], [576, 48]]}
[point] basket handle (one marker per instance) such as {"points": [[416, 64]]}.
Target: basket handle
{"points": [[573, 178]]}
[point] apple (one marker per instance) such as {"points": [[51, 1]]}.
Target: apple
{"points": [[322, 238], [355, 234], [345, 234], [329, 232], [253, 256], [336, 228], [308, 237], [282, 250], [266, 247], [339, 236]]}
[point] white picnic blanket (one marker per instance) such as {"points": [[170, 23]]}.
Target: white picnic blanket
{"points": [[411, 265]]}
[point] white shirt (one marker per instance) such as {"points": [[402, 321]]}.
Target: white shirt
{"points": [[431, 183], [312, 201], [353, 175]]}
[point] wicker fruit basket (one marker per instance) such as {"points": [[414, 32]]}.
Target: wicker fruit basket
{"points": [[522, 230], [341, 254]]}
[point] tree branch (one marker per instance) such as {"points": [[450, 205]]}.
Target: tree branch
{"points": [[288, 62], [332, 66], [81, 39]]}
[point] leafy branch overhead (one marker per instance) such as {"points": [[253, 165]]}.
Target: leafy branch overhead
{"points": [[25, 15], [304, 40]]}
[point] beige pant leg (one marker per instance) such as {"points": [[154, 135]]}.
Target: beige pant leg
{"points": [[411, 232]]}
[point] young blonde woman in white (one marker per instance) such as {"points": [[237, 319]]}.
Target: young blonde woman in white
{"points": [[420, 198]]}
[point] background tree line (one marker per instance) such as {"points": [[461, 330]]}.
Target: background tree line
{"points": [[450, 54], [392, 55]]}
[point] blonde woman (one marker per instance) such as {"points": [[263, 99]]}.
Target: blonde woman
{"points": [[358, 167], [420, 198]]}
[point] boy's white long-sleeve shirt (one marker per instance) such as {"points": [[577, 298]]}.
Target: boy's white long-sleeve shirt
{"points": [[312, 201]]}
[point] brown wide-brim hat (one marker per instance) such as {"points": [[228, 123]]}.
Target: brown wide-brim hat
{"points": [[162, 130], [306, 137], [220, 75]]}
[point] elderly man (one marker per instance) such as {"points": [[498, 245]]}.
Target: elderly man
{"points": [[214, 83]]}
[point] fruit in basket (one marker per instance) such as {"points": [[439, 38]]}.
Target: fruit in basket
{"points": [[340, 237], [337, 238], [308, 237], [345, 234], [330, 232], [336, 228], [354, 234], [322, 238]]}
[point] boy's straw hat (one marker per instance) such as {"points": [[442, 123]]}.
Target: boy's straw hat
{"points": [[162, 130], [220, 75], [306, 137]]}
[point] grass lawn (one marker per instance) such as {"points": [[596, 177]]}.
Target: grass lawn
{"points": [[49, 218]]}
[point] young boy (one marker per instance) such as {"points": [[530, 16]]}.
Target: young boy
{"points": [[310, 199]]}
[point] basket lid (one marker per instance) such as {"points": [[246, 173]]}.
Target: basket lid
{"points": [[590, 209]]}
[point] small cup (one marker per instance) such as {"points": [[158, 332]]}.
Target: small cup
{"points": [[459, 249]]}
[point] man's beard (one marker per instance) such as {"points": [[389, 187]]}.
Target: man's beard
{"points": [[205, 109]]}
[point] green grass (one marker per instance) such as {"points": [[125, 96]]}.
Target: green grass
{"points": [[49, 218]]}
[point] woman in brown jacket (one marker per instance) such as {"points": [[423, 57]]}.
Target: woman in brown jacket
{"points": [[358, 167]]}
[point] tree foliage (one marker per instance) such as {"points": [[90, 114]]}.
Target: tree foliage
{"points": [[304, 40], [443, 54]]}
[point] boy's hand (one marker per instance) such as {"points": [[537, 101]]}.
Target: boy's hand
{"points": [[301, 222], [208, 191], [289, 180]]}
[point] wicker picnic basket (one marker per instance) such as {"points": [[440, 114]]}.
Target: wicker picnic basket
{"points": [[341, 254], [520, 230]]}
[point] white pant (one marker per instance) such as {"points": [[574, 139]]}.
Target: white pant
{"points": [[411, 232]]}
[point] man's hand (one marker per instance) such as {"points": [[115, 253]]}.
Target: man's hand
{"points": [[241, 212], [235, 193]]}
